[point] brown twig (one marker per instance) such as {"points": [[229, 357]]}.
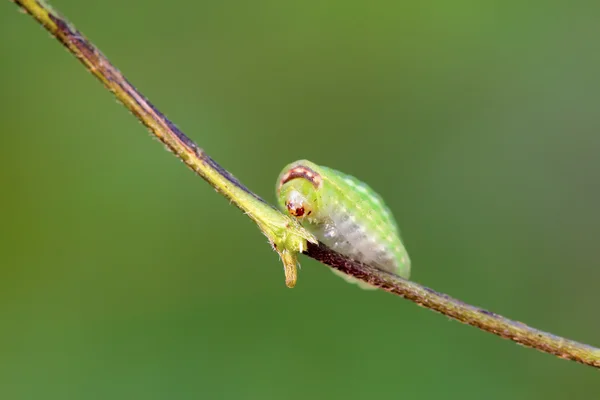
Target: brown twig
{"points": [[458, 310], [229, 186]]}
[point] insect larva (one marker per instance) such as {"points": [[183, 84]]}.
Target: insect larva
{"points": [[343, 213]]}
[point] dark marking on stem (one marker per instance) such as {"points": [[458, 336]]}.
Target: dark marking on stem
{"points": [[74, 37], [488, 313]]}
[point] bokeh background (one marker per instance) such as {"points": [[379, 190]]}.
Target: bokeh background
{"points": [[124, 276]]}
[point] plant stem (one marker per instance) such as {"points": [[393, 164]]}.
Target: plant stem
{"points": [[268, 218], [460, 311]]}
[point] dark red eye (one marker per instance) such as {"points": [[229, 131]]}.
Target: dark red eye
{"points": [[295, 211]]}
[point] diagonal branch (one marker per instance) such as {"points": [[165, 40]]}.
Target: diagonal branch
{"points": [[267, 217], [460, 311]]}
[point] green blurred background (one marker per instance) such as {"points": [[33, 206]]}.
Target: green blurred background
{"points": [[124, 276]]}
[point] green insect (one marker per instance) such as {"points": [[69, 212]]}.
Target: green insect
{"points": [[344, 214]]}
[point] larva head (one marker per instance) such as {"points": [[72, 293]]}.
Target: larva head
{"points": [[298, 190]]}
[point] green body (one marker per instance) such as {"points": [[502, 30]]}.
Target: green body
{"points": [[343, 213]]}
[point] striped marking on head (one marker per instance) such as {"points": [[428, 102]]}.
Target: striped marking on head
{"points": [[302, 171]]}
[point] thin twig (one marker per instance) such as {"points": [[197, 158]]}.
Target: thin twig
{"points": [[195, 158], [460, 311]]}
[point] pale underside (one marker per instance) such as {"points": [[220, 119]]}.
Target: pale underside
{"points": [[354, 221]]}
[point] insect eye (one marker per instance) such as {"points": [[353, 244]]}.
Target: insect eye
{"points": [[298, 205], [296, 209]]}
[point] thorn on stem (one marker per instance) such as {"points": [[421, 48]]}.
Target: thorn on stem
{"points": [[290, 263]]}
